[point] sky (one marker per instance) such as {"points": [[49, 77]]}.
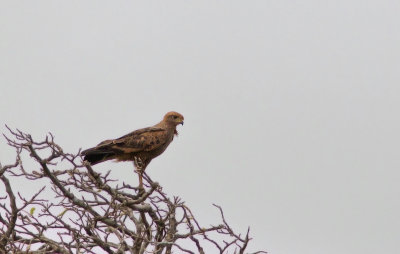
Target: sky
{"points": [[291, 107]]}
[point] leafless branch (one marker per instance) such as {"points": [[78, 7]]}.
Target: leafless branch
{"points": [[78, 210]]}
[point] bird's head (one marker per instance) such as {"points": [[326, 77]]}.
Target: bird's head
{"points": [[173, 118]]}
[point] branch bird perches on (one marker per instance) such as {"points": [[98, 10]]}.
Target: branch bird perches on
{"points": [[78, 210]]}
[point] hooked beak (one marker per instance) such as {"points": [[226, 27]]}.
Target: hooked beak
{"points": [[181, 122]]}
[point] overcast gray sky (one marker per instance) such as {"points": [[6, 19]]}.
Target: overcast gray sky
{"points": [[291, 107]]}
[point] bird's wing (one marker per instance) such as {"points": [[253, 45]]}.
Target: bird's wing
{"points": [[145, 139]]}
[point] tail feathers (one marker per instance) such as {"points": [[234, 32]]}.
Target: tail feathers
{"points": [[95, 155]]}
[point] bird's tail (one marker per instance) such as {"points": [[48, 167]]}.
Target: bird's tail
{"points": [[96, 155]]}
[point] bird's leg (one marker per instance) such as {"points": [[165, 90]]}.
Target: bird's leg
{"points": [[140, 180], [139, 170]]}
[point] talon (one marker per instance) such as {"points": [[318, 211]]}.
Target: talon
{"points": [[141, 191]]}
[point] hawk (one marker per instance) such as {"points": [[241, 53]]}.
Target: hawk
{"points": [[140, 146]]}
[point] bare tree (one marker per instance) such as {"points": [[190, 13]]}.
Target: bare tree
{"points": [[88, 212]]}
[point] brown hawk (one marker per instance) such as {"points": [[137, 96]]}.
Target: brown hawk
{"points": [[140, 146]]}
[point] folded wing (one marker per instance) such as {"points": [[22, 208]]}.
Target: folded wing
{"points": [[142, 140]]}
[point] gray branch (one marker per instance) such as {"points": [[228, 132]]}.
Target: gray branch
{"points": [[92, 213]]}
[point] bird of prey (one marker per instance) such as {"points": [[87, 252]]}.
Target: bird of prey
{"points": [[140, 146]]}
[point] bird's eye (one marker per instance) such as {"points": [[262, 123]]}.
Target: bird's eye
{"points": [[175, 117]]}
